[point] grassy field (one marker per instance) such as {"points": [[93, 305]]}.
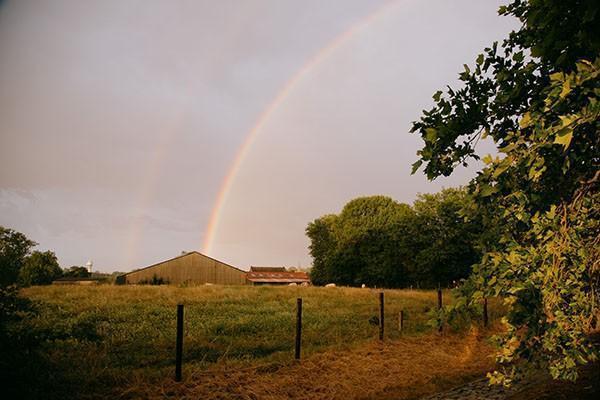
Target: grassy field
{"points": [[119, 340]]}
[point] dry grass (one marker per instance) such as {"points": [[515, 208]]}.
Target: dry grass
{"points": [[403, 369], [114, 341]]}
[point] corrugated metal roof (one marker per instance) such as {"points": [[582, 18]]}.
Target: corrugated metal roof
{"points": [[254, 268], [287, 277], [187, 254], [278, 280]]}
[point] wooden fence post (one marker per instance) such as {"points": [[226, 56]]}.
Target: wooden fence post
{"points": [[298, 327], [401, 320], [439, 296], [179, 343], [381, 316], [485, 312]]}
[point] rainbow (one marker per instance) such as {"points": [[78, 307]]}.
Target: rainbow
{"points": [[150, 181], [280, 98]]}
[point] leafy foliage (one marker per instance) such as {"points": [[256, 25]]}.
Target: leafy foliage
{"points": [[76, 272], [379, 242], [358, 245], [40, 268], [23, 370], [536, 97], [444, 237], [14, 248]]}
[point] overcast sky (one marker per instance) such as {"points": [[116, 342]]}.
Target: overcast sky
{"points": [[119, 120]]}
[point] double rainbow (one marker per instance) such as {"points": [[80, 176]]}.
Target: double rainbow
{"points": [[279, 99]]}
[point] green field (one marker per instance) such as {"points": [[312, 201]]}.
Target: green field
{"points": [[113, 334]]}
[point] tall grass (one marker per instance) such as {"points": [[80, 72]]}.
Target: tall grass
{"points": [[105, 333]]}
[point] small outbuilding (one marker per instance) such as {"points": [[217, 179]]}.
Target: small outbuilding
{"points": [[275, 276], [192, 267], [77, 281], [267, 269]]}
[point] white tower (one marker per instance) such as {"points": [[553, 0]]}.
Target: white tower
{"points": [[89, 266]]}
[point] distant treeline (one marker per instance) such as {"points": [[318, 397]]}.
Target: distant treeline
{"points": [[377, 241], [21, 265]]}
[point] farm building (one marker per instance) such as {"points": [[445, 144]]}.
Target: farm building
{"points": [[77, 281], [192, 267], [275, 276], [267, 269]]}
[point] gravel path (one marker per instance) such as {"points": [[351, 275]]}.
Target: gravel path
{"points": [[477, 390], [539, 386]]}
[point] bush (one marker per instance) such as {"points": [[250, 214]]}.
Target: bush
{"points": [[23, 370], [40, 268]]}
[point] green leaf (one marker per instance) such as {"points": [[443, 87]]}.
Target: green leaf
{"points": [[567, 120], [416, 166], [535, 173], [525, 120], [430, 134], [566, 89], [500, 168], [564, 137], [518, 57], [487, 190]]}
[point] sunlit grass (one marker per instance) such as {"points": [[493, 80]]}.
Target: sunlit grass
{"points": [[112, 332]]}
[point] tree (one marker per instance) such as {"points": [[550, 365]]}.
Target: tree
{"points": [[76, 272], [358, 245], [367, 230], [445, 237], [379, 242], [536, 97], [14, 248], [40, 268], [322, 247]]}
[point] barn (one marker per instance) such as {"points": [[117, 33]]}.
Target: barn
{"points": [[192, 267]]}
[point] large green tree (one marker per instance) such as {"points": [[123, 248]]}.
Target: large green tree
{"points": [[358, 246], [76, 272], [444, 237], [537, 97], [379, 242], [40, 268], [14, 248], [322, 249]]}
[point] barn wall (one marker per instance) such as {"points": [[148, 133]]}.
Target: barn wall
{"points": [[190, 268]]}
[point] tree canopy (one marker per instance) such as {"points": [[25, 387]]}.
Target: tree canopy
{"points": [[377, 241], [40, 268], [76, 271], [14, 249], [536, 96]]}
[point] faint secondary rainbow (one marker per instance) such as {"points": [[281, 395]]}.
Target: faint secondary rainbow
{"points": [[149, 183], [242, 152]]}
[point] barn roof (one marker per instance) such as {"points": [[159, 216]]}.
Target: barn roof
{"points": [[275, 277], [266, 269], [75, 279], [181, 256]]}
